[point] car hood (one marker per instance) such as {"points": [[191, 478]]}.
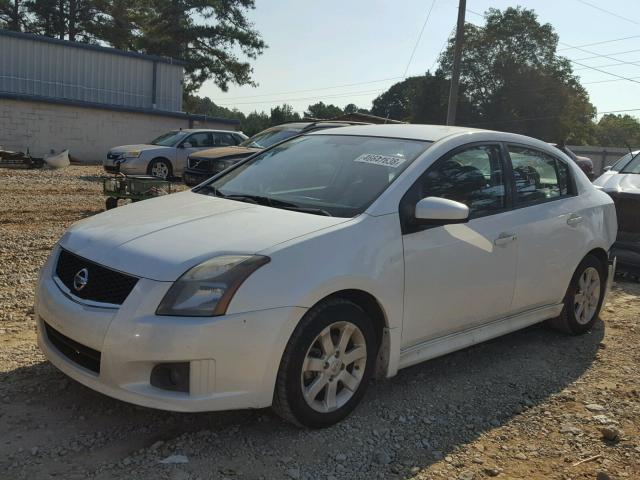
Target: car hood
{"points": [[619, 182], [220, 152], [131, 148], [163, 237]]}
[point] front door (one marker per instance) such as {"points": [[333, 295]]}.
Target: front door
{"points": [[193, 143], [459, 275]]}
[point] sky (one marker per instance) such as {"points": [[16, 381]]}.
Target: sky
{"points": [[350, 51]]}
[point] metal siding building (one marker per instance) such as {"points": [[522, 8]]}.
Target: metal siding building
{"points": [[57, 95], [45, 67]]}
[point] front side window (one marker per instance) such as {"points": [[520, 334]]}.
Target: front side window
{"points": [[538, 177], [335, 175], [473, 176]]}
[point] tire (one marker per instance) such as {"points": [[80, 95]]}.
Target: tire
{"points": [[110, 203], [327, 320], [161, 168], [573, 319]]}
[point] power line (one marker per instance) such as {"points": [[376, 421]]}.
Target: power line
{"points": [[600, 55], [604, 71], [341, 95], [606, 81], [545, 117], [600, 43], [584, 2], [620, 62], [316, 89], [585, 67], [404, 75]]}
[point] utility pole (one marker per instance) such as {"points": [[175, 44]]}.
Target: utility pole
{"points": [[457, 57]]}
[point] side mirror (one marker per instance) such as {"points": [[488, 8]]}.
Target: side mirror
{"points": [[186, 145], [441, 210], [607, 168]]}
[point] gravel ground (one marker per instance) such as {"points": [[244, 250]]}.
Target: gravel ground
{"points": [[531, 405]]}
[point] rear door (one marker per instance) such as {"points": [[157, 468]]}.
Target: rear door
{"points": [[552, 229]]}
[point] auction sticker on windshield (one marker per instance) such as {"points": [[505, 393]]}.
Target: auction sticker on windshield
{"points": [[383, 160]]}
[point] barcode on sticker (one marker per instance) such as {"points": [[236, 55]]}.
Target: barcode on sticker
{"points": [[384, 160]]}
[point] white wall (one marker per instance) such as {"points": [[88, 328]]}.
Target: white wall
{"points": [[88, 133]]}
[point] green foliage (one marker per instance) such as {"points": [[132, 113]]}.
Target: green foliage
{"points": [[14, 15], [282, 114], [323, 112], [255, 122], [421, 99], [618, 131], [516, 82], [397, 102]]}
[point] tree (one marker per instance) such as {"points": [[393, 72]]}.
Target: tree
{"points": [[515, 80], [206, 34], [73, 20], [283, 114], [397, 102], [618, 131], [13, 15], [255, 122], [205, 106], [323, 112]]}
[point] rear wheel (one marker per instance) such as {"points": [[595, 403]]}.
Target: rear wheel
{"points": [[327, 365], [161, 168], [583, 300]]}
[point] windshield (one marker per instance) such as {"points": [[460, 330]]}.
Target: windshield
{"points": [[336, 175], [168, 139], [268, 137], [633, 166]]}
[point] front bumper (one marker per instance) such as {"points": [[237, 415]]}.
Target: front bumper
{"points": [[233, 359]]}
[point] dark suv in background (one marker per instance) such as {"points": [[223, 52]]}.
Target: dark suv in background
{"points": [[207, 163]]}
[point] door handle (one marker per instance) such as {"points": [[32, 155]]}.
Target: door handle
{"points": [[574, 220], [505, 238]]}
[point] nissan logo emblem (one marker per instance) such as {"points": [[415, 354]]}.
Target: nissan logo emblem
{"points": [[81, 279]]}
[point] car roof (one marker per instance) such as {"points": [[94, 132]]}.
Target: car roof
{"points": [[196, 130], [431, 133]]}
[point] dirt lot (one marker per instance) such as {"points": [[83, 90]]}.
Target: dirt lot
{"points": [[530, 405]]}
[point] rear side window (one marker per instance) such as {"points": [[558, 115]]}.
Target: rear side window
{"points": [[224, 140], [538, 177]]}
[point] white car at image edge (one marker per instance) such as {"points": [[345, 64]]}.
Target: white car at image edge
{"points": [[294, 277]]}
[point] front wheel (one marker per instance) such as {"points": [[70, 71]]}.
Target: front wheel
{"points": [[583, 300], [161, 168], [327, 365]]}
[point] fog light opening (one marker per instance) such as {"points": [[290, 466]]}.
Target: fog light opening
{"points": [[171, 376]]}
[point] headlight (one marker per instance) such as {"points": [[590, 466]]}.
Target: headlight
{"points": [[132, 154], [207, 289]]}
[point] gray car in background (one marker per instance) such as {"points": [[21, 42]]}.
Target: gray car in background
{"points": [[166, 156]]}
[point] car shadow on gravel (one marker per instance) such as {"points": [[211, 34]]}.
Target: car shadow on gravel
{"points": [[403, 425]]}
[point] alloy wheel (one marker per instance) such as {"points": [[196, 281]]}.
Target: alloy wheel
{"points": [[334, 367], [160, 169], [587, 297]]}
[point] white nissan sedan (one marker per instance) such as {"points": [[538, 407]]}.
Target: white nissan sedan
{"points": [[294, 277]]}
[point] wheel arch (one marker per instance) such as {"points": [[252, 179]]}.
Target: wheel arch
{"points": [[374, 310], [601, 254], [159, 157]]}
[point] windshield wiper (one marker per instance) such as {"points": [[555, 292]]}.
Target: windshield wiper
{"points": [[275, 203]]}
